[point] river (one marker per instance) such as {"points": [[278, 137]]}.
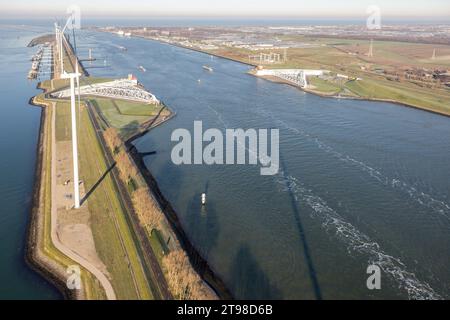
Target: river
{"points": [[360, 182], [19, 132]]}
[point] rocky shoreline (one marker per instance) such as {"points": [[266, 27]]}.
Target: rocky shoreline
{"points": [[199, 264]]}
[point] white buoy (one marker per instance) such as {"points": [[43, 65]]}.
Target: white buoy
{"points": [[203, 198]]}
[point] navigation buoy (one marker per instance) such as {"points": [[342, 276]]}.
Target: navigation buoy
{"points": [[203, 198]]}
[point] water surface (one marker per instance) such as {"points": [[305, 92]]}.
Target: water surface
{"points": [[19, 132], [361, 182]]}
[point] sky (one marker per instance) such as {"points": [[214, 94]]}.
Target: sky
{"points": [[229, 8]]}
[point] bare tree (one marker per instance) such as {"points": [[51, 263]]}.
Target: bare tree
{"points": [[146, 209], [126, 167], [183, 281], [112, 139]]}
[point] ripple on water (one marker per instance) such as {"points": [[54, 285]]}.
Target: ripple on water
{"points": [[358, 242]]}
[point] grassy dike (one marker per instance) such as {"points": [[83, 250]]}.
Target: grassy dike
{"points": [[136, 256], [115, 241], [133, 254], [166, 238], [41, 254]]}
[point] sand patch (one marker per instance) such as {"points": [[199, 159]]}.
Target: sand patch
{"points": [[79, 238], [73, 226]]}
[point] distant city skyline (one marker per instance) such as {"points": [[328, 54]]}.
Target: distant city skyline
{"points": [[230, 8]]}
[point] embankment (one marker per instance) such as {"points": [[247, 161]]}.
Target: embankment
{"points": [[35, 254], [334, 96], [199, 264]]}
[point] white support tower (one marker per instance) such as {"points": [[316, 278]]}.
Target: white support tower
{"points": [[61, 39], [72, 76], [76, 179], [370, 54]]}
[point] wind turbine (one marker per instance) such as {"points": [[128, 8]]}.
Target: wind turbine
{"points": [[61, 36], [74, 76]]}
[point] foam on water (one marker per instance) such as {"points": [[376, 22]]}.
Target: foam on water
{"points": [[424, 199], [356, 241]]}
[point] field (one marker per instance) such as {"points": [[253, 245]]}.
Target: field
{"points": [[113, 239], [127, 116], [46, 251], [382, 74]]}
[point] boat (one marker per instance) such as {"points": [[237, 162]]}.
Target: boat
{"points": [[208, 68], [122, 48], [142, 69], [203, 199]]}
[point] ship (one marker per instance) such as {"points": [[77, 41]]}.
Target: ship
{"points": [[208, 68], [142, 68]]}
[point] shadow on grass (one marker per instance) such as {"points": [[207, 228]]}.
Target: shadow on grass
{"points": [[99, 181]]}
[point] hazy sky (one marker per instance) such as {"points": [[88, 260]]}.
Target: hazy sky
{"points": [[215, 8]]}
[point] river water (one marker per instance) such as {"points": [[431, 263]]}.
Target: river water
{"points": [[360, 183], [19, 131]]}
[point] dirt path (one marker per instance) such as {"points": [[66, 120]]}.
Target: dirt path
{"points": [[110, 294]]}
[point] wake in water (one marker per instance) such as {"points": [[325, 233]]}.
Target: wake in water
{"points": [[424, 199], [356, 241]]}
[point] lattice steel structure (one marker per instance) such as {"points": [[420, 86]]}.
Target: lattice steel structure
{"points": [[119, 89], [296, 77]]}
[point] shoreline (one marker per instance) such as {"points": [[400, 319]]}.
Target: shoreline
{"points": [[333, 96], [37, 260], [281, 81], [34, 257], [48, 268], [185, 47], [199, 264], [198, 50]]}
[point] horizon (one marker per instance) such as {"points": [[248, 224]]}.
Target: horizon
{"points": [[232, 9]]}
